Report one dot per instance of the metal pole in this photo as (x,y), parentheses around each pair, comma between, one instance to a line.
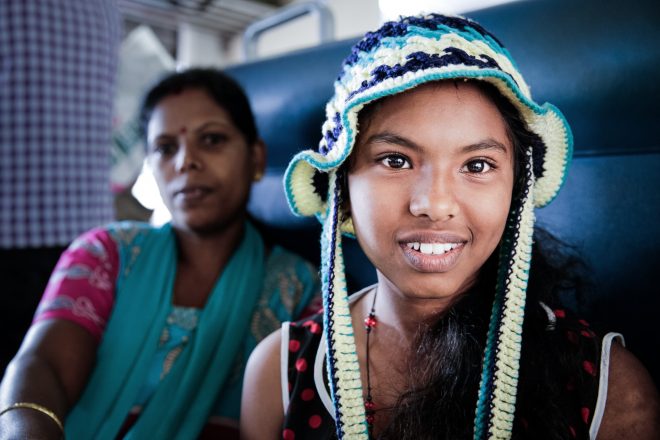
(284,15)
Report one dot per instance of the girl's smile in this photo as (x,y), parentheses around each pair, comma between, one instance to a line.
(428,251)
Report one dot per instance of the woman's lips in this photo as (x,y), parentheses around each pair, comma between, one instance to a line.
(432,257)
(192,194)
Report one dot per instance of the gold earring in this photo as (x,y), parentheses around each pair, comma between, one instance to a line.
(258,175)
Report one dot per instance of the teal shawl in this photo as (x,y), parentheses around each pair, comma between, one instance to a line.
(183,400)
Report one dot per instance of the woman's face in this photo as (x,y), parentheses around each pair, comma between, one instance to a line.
(430,187)
(201,161)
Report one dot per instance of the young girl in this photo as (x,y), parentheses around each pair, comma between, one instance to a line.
(463,336)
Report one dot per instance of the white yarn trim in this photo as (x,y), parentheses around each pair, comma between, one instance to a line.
(320,360)
(348,392)
(284,366)
(305,201)
(552,130)
(509,342)
(602,382)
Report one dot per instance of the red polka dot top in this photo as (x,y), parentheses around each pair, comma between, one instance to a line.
(309,409)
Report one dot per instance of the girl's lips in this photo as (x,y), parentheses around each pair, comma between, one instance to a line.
(431,263)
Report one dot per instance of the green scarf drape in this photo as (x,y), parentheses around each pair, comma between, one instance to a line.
(183,400)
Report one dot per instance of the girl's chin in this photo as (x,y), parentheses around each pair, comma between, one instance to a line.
(431,287)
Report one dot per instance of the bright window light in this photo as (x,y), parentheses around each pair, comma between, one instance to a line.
(392,9)
(146,192)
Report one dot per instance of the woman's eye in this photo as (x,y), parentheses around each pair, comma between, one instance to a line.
(213,138)
(479,166)
(395,161)
(165,148)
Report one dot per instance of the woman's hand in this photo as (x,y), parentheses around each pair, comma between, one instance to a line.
(50,370)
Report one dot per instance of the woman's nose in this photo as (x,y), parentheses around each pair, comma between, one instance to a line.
(434,196)
(186,158)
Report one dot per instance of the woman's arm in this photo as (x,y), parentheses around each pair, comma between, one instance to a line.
(262,413)
(51,370)
(57,356)
(632,409)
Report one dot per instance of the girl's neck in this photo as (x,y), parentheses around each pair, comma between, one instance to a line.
(404,314)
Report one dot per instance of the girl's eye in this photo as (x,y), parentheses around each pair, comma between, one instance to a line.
(478,166)
(395,161)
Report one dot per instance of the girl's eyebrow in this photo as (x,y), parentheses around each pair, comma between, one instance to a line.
(486,144)
(391,138)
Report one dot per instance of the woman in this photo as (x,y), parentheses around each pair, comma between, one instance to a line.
(158,322)
(435,157)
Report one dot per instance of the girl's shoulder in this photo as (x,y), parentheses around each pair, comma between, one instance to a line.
(618,395)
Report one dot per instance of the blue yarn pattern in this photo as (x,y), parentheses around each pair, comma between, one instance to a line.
(422,61)
(400,28)
(331,136)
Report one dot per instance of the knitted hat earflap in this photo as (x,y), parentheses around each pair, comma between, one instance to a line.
(496,403)
(342,361)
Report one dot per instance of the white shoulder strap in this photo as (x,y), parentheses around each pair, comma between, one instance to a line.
(602,383)
(284,366)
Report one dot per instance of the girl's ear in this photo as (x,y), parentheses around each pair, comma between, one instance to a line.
(346,209)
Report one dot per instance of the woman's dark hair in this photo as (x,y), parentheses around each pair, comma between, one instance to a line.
(445,368)
(224,90)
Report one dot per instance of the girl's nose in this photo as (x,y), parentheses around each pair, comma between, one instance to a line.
(434,197)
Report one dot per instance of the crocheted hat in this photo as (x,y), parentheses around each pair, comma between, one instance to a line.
(399,56)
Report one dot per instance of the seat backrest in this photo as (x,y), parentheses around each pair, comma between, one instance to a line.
(599,62)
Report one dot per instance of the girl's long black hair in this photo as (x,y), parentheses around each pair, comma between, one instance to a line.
(445,369)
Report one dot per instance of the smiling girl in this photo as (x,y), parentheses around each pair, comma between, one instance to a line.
(434,157)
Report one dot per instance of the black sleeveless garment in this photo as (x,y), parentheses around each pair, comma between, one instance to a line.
(307,416)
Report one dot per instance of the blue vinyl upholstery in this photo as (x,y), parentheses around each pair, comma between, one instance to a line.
(599,62)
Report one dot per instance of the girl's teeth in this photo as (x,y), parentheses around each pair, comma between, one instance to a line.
(432,248)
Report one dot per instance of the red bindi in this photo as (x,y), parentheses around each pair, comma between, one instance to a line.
(183,130)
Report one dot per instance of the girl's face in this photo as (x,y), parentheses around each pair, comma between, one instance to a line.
(201,161)
(430,186)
